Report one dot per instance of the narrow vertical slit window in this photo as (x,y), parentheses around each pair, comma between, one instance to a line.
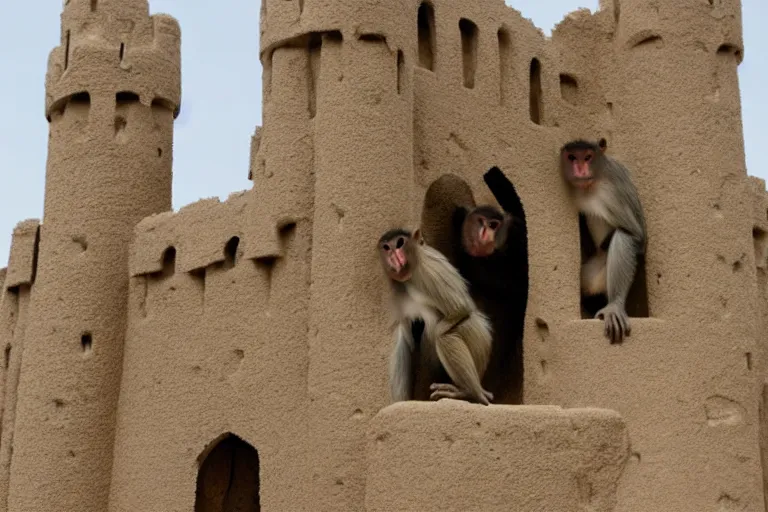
(468,51)
(535,91)
(426,25)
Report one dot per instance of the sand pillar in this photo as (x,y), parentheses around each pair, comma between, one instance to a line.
(363,172)
(112,91)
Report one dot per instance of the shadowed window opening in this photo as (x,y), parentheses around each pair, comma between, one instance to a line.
(729,49)
(426,25)
(760,240)
(373,38)
(122,51)
(86,343)
(569,89)
(169,262)
(94,4)
(228,479)
(535,91)
(468,51)
(505,64)
(66,50)
(230,252)
(637,298)
(7,358)
(125,97)
(81,98)
(498,283)
(400,71)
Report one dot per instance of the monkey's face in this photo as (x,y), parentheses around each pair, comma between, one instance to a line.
(396,257)
(480,235)
(578,166)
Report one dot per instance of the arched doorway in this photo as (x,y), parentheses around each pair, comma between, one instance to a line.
(228,479)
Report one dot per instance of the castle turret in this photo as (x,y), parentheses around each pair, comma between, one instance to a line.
(112,93)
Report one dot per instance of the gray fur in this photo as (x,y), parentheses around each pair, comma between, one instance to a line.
(613,204)
(455,332)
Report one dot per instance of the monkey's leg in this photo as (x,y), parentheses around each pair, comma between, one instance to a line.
(457,360)
(401,365)
(593,275)
(443,390)
(620,271)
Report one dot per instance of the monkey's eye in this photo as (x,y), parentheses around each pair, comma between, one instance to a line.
(588,158)
(386,247)
(400,242)
(494,224)
(571,158)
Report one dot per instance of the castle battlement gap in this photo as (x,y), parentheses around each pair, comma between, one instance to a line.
(236,351)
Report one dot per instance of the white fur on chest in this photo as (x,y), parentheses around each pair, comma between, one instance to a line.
(417,305)
(597,215)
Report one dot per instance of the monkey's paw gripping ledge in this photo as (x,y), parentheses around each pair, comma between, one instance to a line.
(455,456)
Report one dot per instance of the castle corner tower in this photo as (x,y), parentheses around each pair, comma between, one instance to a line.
(112,93)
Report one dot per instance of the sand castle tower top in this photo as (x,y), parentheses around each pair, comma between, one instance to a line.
(109,42)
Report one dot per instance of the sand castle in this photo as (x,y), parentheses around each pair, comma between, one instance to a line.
(233,354)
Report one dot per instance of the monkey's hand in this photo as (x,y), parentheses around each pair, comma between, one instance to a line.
(617,325)
(444,390)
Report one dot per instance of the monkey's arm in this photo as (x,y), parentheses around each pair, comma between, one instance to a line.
(401,364)
(626,210)
(504,192)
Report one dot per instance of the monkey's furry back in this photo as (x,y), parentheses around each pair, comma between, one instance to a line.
(439,279)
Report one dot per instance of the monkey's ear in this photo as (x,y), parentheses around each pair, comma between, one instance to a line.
(417,236)
(603,144)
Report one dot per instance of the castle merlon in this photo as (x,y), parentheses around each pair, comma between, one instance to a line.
(198,234)
(255,164)
(22,261)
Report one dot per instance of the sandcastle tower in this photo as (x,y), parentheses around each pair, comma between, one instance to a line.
(112,93)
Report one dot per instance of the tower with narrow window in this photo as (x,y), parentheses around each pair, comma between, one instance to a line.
(112,93)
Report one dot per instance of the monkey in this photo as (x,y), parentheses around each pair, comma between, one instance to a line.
(456,335)
(602,189)
(489,248)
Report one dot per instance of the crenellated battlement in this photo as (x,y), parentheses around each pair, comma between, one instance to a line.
(204,233)
(109,47)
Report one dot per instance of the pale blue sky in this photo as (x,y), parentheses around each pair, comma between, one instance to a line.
(221,81)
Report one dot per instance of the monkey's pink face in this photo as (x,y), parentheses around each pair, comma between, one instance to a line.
(395,258)
(482,242)
(578,164)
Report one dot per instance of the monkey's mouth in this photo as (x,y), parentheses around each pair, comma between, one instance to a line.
(482,250)
(401,274)
(583,182)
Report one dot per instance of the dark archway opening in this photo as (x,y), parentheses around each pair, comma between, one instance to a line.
(498,284)
(228,479)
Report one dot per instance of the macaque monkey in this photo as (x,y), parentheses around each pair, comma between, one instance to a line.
(602,189)
(456,335)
